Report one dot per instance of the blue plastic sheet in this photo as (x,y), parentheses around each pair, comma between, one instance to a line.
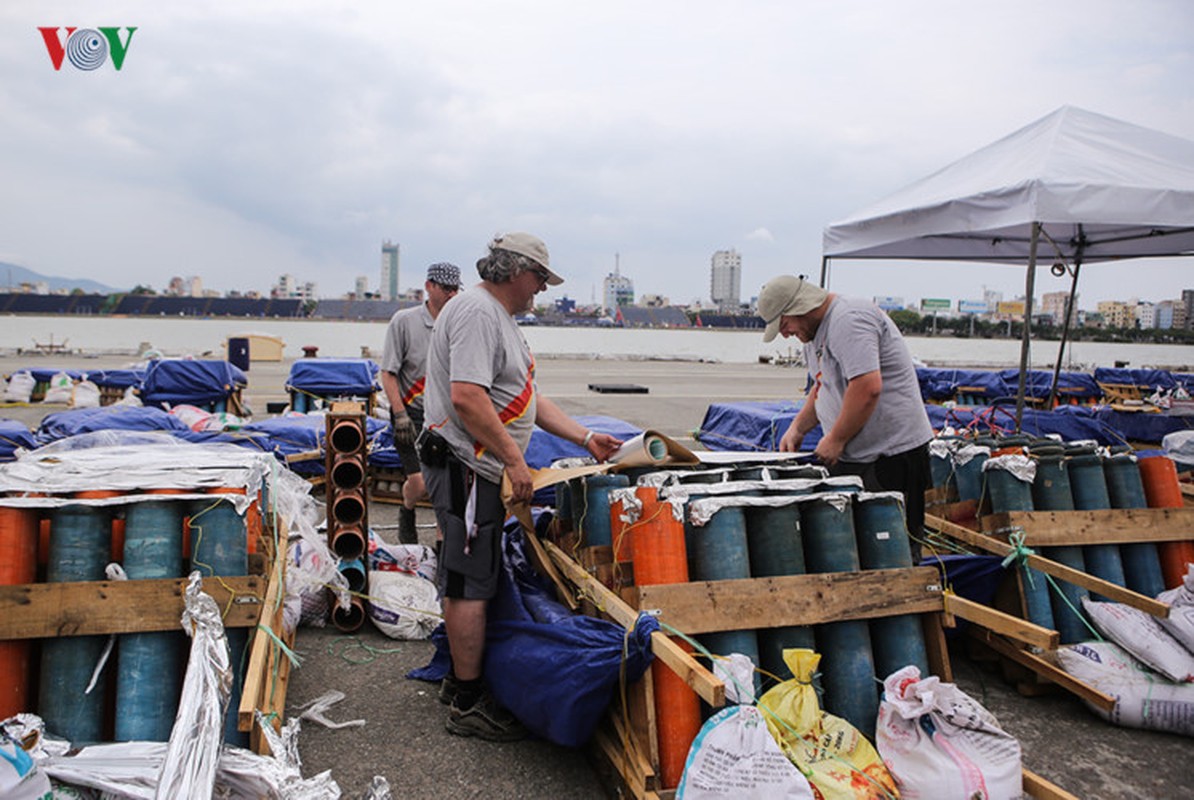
(330,377)
(117,378)
(44,374)
(14,434)
(1149,379)
(943,384)
(1039,382)
(555,670)
(751,426)
(178,382)
(301,433)
(62,424)
(1135,426)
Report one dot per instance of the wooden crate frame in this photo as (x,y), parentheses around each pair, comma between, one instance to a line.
(85,608)
(625,745)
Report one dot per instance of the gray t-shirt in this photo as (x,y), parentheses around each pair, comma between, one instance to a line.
(477,341)
(854,338)
(405,352)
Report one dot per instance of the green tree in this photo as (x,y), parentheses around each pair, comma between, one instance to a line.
(907,321)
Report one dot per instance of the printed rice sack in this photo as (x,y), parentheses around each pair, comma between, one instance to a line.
(735,757)
(1142,636)
(836,758)
(940,744)
(1143,699)
(60,389)
(403,605)
(413,558)
(1180,622)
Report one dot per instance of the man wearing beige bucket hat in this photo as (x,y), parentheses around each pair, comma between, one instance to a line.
(865,394)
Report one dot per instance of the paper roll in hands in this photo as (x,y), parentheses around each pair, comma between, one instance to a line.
(651,448)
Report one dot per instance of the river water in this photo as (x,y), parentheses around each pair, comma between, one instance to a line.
(207,337)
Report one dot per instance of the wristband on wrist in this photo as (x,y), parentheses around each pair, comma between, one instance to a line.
(588,438)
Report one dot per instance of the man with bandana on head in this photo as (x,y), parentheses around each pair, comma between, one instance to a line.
(403,374)
(481,406)
(865,394)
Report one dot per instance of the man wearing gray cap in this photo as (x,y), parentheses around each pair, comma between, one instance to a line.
(403,371)
(865,394)
(481,406)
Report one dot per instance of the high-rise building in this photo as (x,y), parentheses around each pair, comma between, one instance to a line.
(1146,316)
(1187,309)
(1054,304)
(388,288)
(725,281)
(618,290)
(362,286)
(1117,314)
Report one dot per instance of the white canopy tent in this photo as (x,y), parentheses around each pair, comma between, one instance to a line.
(1083,186)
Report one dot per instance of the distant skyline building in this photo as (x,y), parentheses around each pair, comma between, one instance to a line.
(362,286)
(617,289)
(1146,316)
(1054,304)
(388,287)
(725,280)
(1187,310)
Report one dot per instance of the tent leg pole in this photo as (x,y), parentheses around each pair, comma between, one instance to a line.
(1029,283)
(1065,333)
(824,272)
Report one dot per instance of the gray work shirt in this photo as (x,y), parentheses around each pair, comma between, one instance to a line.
(856,337)
(477,341)
(405,352)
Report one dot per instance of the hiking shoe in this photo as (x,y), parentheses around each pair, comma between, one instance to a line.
(449,687)
(485,720)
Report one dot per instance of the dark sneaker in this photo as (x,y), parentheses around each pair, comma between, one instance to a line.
(485,720)
(449,687)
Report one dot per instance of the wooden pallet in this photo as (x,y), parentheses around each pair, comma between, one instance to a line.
(51,610)
(625,745)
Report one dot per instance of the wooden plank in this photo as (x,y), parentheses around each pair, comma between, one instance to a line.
(1109,590)
(45,610)
(710,606)
(1098,526)
(1001,623)
(1045,669)
(936,647)
(260,652)
(619,761)
(1038,788)
(701,680)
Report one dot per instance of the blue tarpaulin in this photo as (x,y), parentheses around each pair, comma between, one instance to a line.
(943,384)
(1149,379)
(62,424)
(555,670)
(43,374)
(329,377)
(751,426)
(176,382)
(1039,382)
(117,378)
(14,434)
(301,433)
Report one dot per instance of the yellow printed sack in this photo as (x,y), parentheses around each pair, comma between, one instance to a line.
(836,758)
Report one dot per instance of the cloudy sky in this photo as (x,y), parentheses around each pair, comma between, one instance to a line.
(245,140)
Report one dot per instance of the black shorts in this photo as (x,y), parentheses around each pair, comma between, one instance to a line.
(468,568)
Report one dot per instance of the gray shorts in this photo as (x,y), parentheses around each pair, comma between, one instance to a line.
(468,569)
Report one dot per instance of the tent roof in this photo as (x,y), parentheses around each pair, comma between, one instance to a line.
(1128,190)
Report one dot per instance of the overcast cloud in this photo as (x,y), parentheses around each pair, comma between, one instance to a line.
(243,141)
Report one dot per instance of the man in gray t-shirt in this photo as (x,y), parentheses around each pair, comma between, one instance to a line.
(865,394)
(403,374)
(481,404)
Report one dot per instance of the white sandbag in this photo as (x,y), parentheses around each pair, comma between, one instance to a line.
(19,388)
(940,743)
(737,672)
(85,395)
(1180,622)
(310,569)
(735,756)
(131,398)
(1142,636)
(402,605)
(412,558)
(60,388)
(20,778)
(1143,699)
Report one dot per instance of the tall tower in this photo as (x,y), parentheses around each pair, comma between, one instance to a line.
(388,288)
(725,281)
(618,289)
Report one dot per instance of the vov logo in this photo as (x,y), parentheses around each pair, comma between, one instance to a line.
(86,48)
